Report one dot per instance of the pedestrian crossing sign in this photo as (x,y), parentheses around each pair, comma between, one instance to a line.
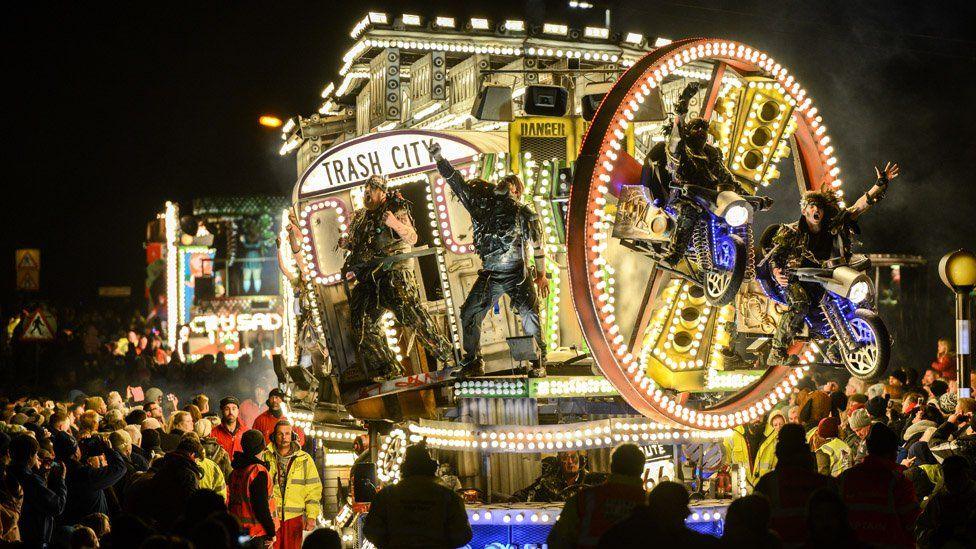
(39,327)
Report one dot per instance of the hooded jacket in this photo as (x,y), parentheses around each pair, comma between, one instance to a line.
(766,454)
(217,453)
(159,495)
(250,499)
(417,512)
(42,503)
(87,485)
(303,488)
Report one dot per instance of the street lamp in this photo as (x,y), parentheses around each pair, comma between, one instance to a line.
(269,121)
(958,272)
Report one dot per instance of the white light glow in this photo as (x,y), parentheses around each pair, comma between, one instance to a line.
(554,28)
(859,291)
(737,215)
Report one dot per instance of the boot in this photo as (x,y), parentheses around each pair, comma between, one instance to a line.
(778,356)
(473,367)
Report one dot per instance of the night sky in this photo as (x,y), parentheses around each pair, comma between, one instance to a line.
(111,109)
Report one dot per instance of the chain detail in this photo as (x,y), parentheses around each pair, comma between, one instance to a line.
(703,248)
(747,236)
(837,325)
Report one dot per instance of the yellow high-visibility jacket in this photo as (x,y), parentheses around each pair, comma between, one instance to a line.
(213,478)
(303,488)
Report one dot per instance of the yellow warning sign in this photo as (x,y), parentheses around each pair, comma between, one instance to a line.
(28,264)
(29,258)
(27,280)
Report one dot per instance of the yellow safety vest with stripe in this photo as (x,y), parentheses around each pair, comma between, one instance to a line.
(934,472)
(303,488)
(737,452)
(213,478)
(765,456)
(839,453)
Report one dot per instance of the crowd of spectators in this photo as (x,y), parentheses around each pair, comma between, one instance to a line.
(136,448)
(99,350)
(110,472)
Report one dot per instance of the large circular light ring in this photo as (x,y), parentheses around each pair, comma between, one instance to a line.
(586,246)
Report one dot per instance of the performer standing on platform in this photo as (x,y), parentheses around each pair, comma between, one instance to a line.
(377,232)
(505,231)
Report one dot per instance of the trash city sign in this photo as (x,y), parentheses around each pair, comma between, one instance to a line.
(391,154)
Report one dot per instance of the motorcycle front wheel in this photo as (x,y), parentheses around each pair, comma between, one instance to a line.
(723,280)
(869,360)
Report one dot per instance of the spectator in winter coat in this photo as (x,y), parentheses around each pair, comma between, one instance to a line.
(790,485)
(880,498)
(266,421)
(87,478)
(203,428)
(660,523)
(158,496)
(949,519)
(231,429)
(417,511)
(43,500)
(249,490)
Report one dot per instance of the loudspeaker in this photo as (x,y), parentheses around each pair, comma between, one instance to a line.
(493,103)
(593,94)
(546,100)
(301,377)
(278,364)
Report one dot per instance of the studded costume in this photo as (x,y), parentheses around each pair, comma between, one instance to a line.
(691,161)
(383,285)
(795,246)
(505,233)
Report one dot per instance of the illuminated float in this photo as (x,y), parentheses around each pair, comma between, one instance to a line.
(636,353)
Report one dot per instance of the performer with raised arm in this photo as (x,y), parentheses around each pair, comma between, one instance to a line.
(378,232)
(691,161)
(506,234)
(823,232)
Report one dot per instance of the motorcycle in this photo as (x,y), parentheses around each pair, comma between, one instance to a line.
(719,256)
(843,321)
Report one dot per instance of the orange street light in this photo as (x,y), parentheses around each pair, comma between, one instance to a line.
(269,121)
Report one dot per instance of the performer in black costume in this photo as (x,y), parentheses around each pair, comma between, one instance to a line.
(380,230)
(823,232)
(691,161)
(505,233)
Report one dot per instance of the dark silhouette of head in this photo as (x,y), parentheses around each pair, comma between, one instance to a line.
(668,502)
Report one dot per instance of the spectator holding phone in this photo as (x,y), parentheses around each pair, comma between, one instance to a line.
(92,468)
(959,427)
(44,499)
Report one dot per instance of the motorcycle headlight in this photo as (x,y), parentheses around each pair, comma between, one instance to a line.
(859,292)
(737,215)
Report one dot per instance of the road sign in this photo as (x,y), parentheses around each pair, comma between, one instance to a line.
(28,264)
(39,327)
(27,280)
